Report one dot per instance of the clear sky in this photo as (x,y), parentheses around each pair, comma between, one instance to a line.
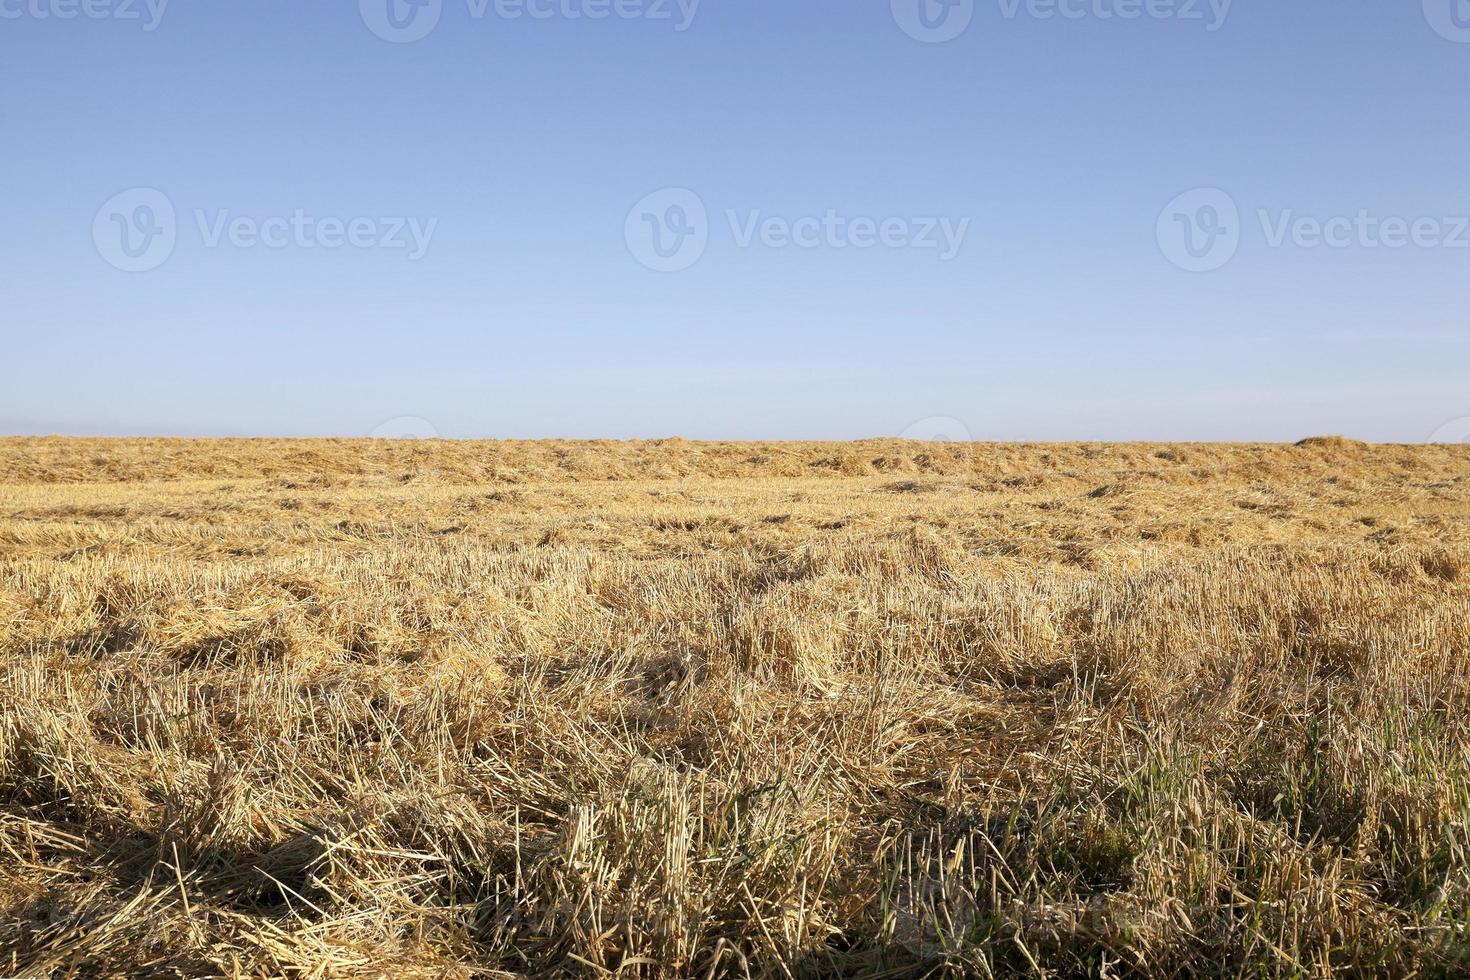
(1044,219)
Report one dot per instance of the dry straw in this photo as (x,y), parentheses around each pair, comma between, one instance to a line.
(673,709)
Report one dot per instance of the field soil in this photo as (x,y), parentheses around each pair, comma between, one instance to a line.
(679,709)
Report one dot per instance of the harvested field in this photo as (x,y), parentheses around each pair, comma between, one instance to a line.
(678,709)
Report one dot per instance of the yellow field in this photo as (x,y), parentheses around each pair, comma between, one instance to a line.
(678,709)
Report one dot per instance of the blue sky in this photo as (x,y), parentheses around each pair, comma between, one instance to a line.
(458,228)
